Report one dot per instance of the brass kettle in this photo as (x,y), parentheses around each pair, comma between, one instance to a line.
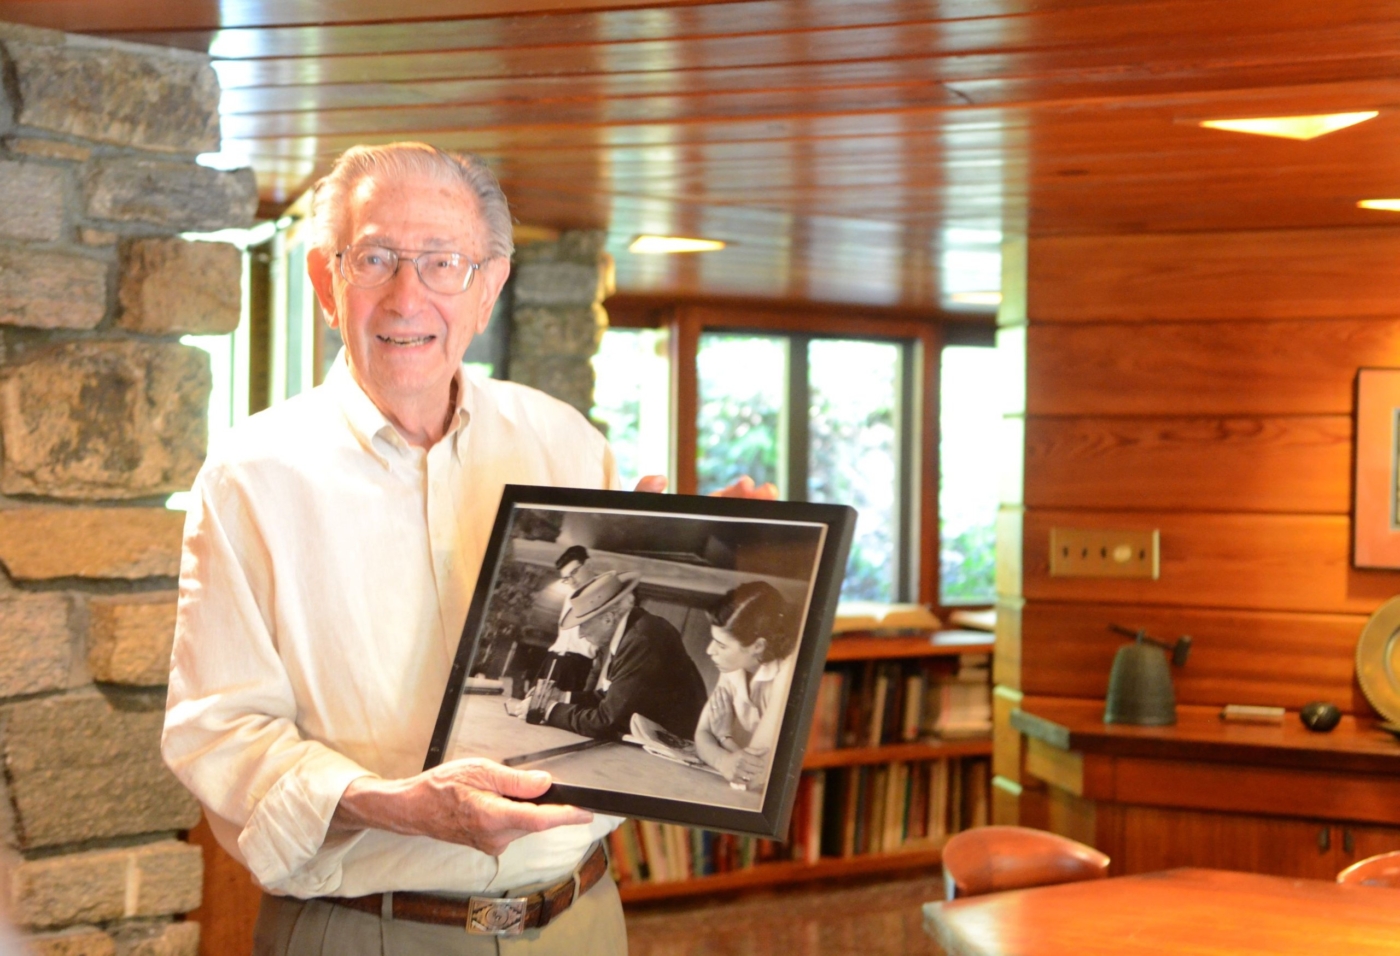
(1140,683)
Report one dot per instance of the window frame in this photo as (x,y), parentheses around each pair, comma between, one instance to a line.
(924,338)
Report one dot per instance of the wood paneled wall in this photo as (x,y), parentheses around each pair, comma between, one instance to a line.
(1200,384)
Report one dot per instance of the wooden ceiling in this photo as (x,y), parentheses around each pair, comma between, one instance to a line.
(865,152)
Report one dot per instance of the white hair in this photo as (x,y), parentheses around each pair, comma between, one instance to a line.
(330,196)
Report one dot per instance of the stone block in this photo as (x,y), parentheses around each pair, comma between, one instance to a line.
(557,331)
(83,941)
(50,149)
(104,419)
(582,245)
(81,768)
(168,939)
(51,290)
(97,237)
(129,637)
(165,877)
(170,286)
(567,379)
(38,544)
(557,283)
(68,889)
(32,199)
(177,196)
(150,98)
(36,647)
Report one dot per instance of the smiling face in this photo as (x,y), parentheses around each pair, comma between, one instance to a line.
(404,343)
(729,655)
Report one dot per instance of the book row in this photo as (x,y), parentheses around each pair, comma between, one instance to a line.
(870,703)
(839,813)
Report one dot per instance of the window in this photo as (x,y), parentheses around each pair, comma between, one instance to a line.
(822,418)
(632,398)
(970,423)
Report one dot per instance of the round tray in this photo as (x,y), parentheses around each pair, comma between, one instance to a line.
(1378,660)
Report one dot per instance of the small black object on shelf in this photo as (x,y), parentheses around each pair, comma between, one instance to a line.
(1320,716)
(1140,684)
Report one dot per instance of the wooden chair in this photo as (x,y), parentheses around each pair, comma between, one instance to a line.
(1380,870)
(992,859)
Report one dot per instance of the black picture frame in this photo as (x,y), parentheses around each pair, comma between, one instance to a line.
(688,551)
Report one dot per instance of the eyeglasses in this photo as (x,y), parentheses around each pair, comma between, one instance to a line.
(446,273)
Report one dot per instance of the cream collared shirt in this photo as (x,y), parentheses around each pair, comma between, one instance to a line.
(328,566)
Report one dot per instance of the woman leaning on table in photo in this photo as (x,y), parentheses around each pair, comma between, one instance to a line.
(752,639)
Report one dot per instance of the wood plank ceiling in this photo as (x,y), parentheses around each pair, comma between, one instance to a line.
(864,152)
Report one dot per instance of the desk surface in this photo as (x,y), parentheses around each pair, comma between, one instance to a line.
(1200,912)
(484,729)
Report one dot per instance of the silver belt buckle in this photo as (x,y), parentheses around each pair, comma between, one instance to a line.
(496,917)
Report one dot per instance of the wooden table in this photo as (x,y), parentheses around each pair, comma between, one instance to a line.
(1195,912)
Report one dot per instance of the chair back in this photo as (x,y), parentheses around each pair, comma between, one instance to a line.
(1380,870)
(992,859)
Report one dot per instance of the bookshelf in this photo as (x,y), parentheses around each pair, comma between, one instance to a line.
(851,652)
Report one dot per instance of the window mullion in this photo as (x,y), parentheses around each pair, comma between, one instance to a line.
(798,419)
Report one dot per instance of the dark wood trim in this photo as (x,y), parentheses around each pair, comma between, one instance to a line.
(930,348)
(685,399)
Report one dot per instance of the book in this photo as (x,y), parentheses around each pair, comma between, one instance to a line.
(826,716)
(974,620)
(877,618)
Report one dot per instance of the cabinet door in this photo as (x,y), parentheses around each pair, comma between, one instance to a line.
(1149,838)
(1358,842)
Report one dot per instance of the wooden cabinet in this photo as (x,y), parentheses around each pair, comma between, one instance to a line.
(1264,799)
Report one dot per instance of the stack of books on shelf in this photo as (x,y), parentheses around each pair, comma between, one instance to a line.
(839,814)
(872,703)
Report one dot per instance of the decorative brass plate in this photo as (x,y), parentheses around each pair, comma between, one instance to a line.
(1378,660)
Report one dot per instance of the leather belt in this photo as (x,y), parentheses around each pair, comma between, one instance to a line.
(494,916)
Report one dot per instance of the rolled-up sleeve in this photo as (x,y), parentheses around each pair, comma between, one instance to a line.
(230,728)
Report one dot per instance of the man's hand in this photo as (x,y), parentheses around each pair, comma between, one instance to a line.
(465,801)
(742,487)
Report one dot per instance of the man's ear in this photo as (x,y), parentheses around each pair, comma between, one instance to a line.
(492,274)
(318,270)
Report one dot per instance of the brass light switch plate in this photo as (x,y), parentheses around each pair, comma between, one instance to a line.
(1093,553)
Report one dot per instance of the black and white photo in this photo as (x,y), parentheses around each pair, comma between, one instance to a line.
(654,653)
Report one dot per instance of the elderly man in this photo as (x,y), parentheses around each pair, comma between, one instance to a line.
(330,555)
(641,668)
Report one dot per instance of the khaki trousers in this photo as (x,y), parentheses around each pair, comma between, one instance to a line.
(290,927)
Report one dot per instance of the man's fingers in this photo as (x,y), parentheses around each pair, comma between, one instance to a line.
(481,774)
(500,814)
(656,484)
(744,487)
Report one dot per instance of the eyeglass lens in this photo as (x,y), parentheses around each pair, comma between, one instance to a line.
(370,266)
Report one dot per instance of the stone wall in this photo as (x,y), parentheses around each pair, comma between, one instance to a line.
(102,414)
(557,318)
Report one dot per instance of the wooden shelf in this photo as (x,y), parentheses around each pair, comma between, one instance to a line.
(897,753)
(786,872)
(863,647)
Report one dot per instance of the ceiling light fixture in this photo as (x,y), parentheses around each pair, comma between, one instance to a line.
(1389,205)
(1292,127)
(650,245)
(976,298)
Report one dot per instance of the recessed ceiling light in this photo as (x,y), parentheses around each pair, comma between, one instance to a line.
(976,298)
(1389,205)
(1292,127)
(658,244)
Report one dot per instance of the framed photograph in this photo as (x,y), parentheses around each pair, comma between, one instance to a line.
(1376,514)
(658,654)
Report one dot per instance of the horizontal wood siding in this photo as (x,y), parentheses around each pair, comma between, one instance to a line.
(1202,385)
(1336,273)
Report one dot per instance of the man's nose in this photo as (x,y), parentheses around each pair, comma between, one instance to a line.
(406,290)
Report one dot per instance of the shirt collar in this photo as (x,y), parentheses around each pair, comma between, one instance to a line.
(371,427)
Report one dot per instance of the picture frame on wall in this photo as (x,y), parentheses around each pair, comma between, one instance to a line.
(1376,508)
(658,655)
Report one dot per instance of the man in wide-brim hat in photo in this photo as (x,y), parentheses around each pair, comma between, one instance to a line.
(641,668)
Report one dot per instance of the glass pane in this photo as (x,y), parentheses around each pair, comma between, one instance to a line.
(632,397)
(970,422)
(853,455)
(741,424)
